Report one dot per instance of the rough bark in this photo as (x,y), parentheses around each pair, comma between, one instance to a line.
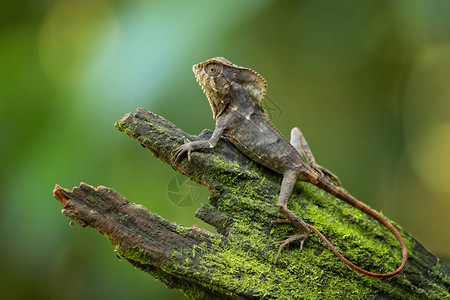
(237,262)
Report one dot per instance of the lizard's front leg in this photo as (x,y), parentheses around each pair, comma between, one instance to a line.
(221,124)
(191,146)
(289,179)
(299,142)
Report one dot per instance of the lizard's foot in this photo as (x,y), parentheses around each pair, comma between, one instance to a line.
(326,173)
(181,150)
(296,237)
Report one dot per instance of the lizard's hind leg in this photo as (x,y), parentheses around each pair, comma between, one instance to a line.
(299,142)
(289,179)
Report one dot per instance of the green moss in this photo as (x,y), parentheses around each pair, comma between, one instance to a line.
(123,217)
(181,230)
(438,273)
(139,258)
(123,126)
(136,254)
(266,280)
(439,276)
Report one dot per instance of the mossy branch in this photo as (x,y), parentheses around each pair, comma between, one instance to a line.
(238,262)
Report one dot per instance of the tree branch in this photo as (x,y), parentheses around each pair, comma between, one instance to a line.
(238,262)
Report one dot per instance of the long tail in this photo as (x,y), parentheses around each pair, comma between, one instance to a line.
(330,188)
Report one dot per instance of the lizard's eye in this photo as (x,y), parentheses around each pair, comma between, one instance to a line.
(213,69)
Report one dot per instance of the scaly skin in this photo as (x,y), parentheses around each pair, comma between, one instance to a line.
(235,95)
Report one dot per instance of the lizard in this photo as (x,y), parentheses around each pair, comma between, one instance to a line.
(235,95)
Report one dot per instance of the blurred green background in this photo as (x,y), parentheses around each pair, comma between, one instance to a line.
(367,82)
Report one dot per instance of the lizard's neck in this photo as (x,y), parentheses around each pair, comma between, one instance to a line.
(217,108)
(243,101)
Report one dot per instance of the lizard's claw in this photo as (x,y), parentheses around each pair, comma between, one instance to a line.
(296,237)
(181,150)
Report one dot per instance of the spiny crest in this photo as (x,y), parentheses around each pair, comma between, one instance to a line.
(255,85)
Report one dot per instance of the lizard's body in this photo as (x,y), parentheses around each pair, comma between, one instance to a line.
(235,94)
(257,138)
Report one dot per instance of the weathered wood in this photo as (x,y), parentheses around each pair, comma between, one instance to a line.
(238,262)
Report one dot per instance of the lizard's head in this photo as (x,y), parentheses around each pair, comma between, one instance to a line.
(221,80)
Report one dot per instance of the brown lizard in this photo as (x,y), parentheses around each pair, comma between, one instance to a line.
(235,94)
